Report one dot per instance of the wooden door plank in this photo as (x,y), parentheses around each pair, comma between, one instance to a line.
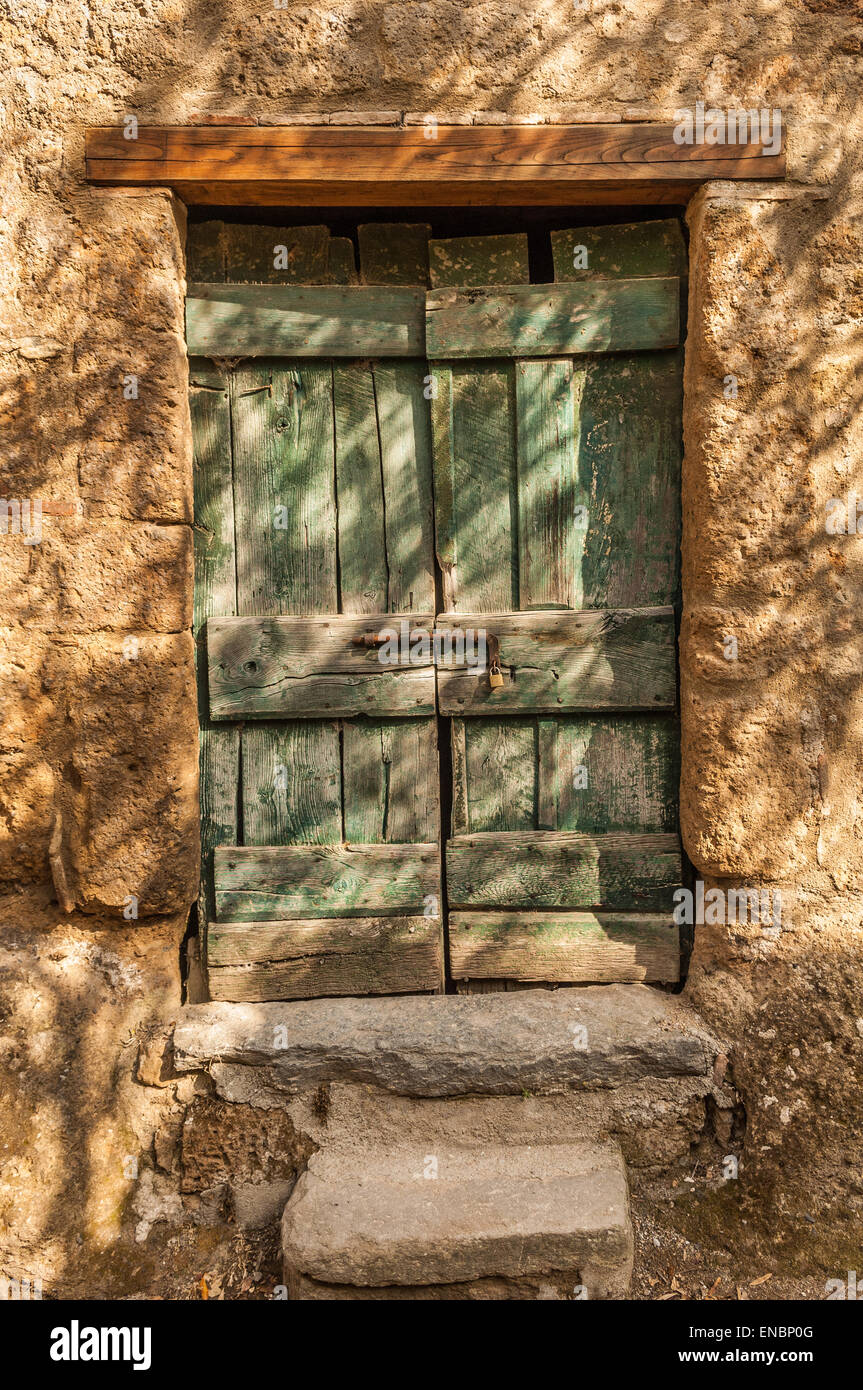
(538,869)
(329,956)
(608,774)
(495,782)
(394,253)
(286,513)
(564,948)
(291,781)
(630,456)
(473,433)
(460,818)
(215,592)
(276,255)
(206,251)
(312,668)
(620,251)
(299,881)
(405,443)
(391,781)
(236,320)
(474,260)
(286,547)
(553,320)
(552,500)
(341,262)
(363,576)
(554,661)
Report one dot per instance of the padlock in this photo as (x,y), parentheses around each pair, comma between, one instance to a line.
(495,676)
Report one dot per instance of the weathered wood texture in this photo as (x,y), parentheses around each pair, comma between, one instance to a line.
(558,661)
(552,320)
(616,251)
(311,668)
(285,881)
(556,490)
(472,260)
(592,775)
(394,253)
(239,320)
(578,500)
(331,484)
(572,948)
(215,592)
(330,956)
(540,869)
(329,166)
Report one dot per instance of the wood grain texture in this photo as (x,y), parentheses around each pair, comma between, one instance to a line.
(215,592)
(620,250)
(206,251)
(607,774)
(291,784)
(394,253)
(564,948)
(406,469)
(550,490)
(362,166)
(391,780)
(556,660)
(276,255)
(311,668)
(298,881)
(283,438)
(331,956)
(476,507)
(474,260)
(630,451)
(499,774)
(363,574)
(553,320)
(238,320)
(592,775)
(422,195)
(538,869)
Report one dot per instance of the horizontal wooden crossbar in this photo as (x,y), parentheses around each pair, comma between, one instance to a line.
(314,668)
(556,662)
(565,947)
(622,315)
(552,320)
(325,956)
(544,869)
(293,320)
(366,167)
(306,881)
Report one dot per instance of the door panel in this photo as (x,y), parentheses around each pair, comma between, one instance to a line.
(590,775)
(528,471)
(567,800)
(330,880)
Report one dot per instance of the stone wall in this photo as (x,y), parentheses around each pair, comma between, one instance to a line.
(98,760)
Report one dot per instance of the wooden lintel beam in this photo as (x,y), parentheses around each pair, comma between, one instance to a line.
(358,166)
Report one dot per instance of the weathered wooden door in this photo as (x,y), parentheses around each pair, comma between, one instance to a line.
(486,454)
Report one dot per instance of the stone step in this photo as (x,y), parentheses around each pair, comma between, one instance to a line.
(453,1045)
(507,1221)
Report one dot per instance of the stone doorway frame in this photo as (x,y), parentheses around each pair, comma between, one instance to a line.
(404,176)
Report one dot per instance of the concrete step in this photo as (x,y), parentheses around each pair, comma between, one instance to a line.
(498,1222)
(535,1041)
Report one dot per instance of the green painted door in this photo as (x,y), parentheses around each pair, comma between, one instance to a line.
(438,439)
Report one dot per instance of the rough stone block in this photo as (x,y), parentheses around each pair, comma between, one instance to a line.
(491,1044)
(374,1219)
(84,576)
(129,787)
